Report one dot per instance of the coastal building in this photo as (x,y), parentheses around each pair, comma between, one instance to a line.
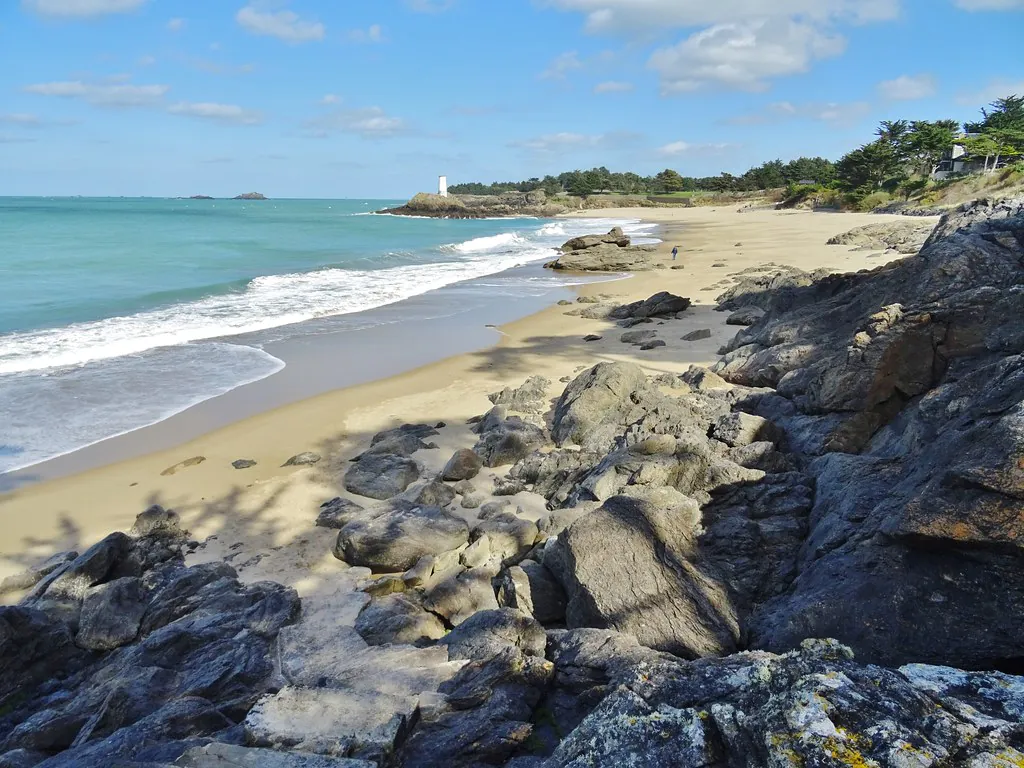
(959,162)
(442,186)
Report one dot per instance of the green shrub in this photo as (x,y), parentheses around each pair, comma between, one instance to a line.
(872,201)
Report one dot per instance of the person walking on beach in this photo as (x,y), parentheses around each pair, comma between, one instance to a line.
(675,252)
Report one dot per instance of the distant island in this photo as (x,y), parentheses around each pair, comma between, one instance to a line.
(200,197)
(250,196)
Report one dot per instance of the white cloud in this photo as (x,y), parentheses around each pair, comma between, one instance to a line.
(102,95)
(369,122)
(825,111)
(996,89)
(176,25)
(80,8)
(907,87)
(561,66)
(742,56)
(613,86)
(429,6)
(372,34)
(146,61)
(20,118)
(330,98)
(284,25)
(677,148)
(627,16)
(559,142)
(989,5)
(224,113)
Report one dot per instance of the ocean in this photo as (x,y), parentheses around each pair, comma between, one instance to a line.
(117,313)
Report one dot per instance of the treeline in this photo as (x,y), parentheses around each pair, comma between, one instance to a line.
(774,173)
(902,158)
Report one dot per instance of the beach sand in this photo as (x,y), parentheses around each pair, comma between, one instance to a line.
(262,519)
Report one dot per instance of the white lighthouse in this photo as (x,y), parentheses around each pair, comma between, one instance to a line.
(442,186)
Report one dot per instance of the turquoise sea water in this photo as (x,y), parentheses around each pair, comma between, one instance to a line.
(115,313)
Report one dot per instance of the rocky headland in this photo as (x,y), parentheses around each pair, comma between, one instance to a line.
(479,206)
(807,554)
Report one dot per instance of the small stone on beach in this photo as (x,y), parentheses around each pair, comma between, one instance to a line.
(183,464)
(703,333)
(243,463)
(592,337)
(652,344)
(302,459)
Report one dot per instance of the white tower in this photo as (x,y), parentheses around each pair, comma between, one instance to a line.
(442,186)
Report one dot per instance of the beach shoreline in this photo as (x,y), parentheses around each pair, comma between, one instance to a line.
(260,510)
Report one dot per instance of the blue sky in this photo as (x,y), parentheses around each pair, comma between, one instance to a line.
(375,98)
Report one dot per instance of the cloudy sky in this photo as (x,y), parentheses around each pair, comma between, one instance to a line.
(374,98)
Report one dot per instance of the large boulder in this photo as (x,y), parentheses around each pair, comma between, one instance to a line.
(901,236)
(463,465)
(531,588)
(598,396)
(381,475)
(662,304)
(633,565)
(394,540)
(506,440)
(111,614)
(814,706)
(606,258)
(615,237)
(528,398)
(397,619)
(487,633)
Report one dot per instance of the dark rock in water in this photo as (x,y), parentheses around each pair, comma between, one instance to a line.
(814,706)
(652,344)
(398,619)
(661,304)
(745,316)
(302,460)
(592,337)
(615,237)
(194,461)
(381,475)
(487,633)
(394,540)
(243,463)
(703,333)
(111,614)
(529,398)
(479,206)
(463,465)
(633,565)
(339,512)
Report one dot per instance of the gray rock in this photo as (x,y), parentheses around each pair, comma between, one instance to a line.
(814,706)
(32,576)
(738,429)
(381,475)
(510,538)
(531,588)
(592,337)
(633,566)
(745,316)
(652,344)
(435,494)
(637,337)
(596,397)
(230,756)
(528,398)
(305,459)
(614,237)
(472,500)
(605,258)
(463,465)
(507,441)
(663,304)
(111,614)
(157,522)
(904,237)
(243,463)
(458,597)
(397,619)
(487,633)
(339,512)
(90,568)
(395,539)
(703,333)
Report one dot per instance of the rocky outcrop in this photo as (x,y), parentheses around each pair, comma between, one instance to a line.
(250,196)
(125,655)
(903,237)
(479,206)
(603,253)
(814,706)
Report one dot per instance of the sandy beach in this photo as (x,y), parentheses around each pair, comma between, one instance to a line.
(261,519)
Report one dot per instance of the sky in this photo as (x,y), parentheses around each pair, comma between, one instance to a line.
(376,98)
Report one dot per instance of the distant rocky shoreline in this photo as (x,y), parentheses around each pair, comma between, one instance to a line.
(808,554)
(478,206)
